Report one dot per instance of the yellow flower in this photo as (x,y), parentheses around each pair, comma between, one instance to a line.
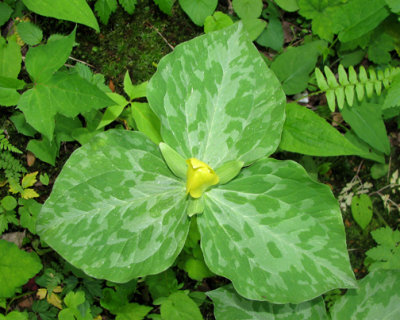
(199,177)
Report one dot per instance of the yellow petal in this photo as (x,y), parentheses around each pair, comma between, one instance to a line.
(199,177)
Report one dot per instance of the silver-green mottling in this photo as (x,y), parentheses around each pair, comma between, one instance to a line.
(277,234)
(217,100)
(116,211)
(229,305)
(378,297)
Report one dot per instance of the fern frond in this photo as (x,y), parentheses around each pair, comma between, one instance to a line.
(350,84)
(7,146)
(13,169)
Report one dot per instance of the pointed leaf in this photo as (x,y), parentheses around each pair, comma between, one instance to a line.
(116,211)
(226,105)
(71,10)
(229,305)
(280,229)
(146,121)
(198,10)
(10,58)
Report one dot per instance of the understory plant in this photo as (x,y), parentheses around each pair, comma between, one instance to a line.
(121,207)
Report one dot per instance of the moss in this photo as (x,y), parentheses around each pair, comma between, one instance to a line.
(131,42)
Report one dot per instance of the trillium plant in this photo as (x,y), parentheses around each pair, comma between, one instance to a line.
(122,205)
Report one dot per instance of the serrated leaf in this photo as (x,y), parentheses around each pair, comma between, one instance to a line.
(16,268)
(366,120)
(376,298)
(198,10)
(104,8)
(29,194)
(306,133)
(29,179)
(136,227)
(274,224)
(293,67)
(6,218)
(229,305)
(128,5)
(29,33)
(165,5)
(43,61)
(71,10)
(361,209)
(247,9)
(199,99)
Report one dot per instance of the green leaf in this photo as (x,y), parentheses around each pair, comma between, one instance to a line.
(377,297)
(217,21)
(128,5)
(366,120)
(28,212)
(132,311)
(278,227)
(104,8)
(15,315)
(247,9)
(74,310)
(179,306)
(288,5)
(9,203)
(110,115)
(394,5)
(176,163)
(393,94)
(361,209)
(11,83)
(43,61)
(9,97)
(134,92)
(165,5)
(366,150)
(5,13)
(307,133)
(44,149)
(199,99)
(162,284)
(229,305)
(65,93)
(7,217)
(197,269)
(380,47)
(29,33)
(272,37)
(10,58)
(123,222)
(294,66)
(378,170)
(16,268)
(71,10)
(254,27)
(386,255)
(146,121)
(198,10)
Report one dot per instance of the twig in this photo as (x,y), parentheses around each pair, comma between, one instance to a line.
(77,60)
(159,33)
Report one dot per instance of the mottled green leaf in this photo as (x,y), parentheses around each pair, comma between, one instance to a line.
(116,211)
(307,133)
(229,305)
(16,268)
(377,297)
(280,229)
(226,105)
(64,93)
(43,61)
(198,10)
(366,120)
(293,67)
(71,10)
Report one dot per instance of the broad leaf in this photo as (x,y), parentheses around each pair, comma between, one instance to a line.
(146,121)
(179,306)
(229,305)
(64,93)
(16,268)
(293,67)
(71,10)
(10,58)
(307,133)
(247,9)
(165,5)
(198,10)
(377,297)
(116,211)
(366,121)
(43,61)
(225,105)
(29,33)
(5,13)
(276,234)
